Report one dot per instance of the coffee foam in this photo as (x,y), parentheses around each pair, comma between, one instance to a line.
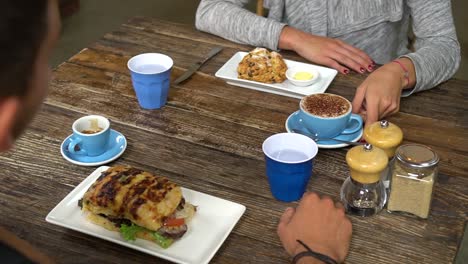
(325,105)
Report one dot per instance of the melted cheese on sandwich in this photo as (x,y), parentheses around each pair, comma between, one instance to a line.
(125,192)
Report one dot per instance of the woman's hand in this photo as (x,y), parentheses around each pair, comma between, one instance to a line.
(379,95)
(330,52)
(320,224)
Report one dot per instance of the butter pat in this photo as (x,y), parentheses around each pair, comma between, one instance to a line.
(303,76)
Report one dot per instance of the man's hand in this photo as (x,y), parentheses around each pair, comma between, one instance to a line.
(330,52)
(319,223)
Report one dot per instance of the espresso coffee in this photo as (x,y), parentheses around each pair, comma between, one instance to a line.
(92,131)
(325,105)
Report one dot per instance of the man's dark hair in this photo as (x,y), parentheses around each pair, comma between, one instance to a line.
(23,27)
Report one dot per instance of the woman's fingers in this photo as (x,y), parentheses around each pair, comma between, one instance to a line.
(360,56)
(330,52)
(373,108)
(346,56)
(350,56)
(391,109)
(333,64)
(381,109)
(347,60)
(358,101)
(372,111)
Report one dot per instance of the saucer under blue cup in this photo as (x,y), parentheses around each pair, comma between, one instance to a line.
(293,122)
(116,147)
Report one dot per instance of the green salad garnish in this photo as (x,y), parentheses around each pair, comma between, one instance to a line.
(129,232)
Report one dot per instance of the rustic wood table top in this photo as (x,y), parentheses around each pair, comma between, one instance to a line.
(208,138)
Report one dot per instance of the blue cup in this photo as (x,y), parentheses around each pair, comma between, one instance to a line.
(151,74)
(90,136)
(329,127)
(289,162)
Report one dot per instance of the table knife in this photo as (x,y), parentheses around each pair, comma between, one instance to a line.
(193,68)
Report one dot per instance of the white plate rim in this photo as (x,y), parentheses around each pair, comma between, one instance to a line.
(275,88)
(86,183)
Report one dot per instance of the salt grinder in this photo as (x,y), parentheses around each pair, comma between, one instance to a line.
(363,193)
(386,136)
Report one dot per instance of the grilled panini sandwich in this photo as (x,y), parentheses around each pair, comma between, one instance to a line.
(138,204)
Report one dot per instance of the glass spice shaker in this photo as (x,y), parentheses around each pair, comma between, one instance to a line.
(386,136)
(363,193)
(412,181)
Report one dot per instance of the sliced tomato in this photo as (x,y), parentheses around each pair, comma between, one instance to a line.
(174,222)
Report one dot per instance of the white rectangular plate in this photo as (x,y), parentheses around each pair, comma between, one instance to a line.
(228,72)
(214,220)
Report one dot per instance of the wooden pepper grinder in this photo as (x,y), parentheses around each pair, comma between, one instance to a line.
(363,193)
(386,136)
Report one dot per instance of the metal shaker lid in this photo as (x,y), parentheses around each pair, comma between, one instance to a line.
(417,156)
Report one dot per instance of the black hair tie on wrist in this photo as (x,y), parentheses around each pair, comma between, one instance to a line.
(314,254)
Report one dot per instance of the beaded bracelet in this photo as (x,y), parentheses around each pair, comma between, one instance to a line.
(406,73)
(326,259)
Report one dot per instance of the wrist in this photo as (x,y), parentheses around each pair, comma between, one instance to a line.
(311,259)
(288,38)
(317,249)
(405,72)
(397,71)
(307,259)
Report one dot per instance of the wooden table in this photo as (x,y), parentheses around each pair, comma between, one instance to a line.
(208,138)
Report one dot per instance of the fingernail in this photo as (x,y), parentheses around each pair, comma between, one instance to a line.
(346,71)
(362,70)
(370,67)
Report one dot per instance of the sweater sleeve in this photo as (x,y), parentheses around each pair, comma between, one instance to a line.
(229,19)
(437,54)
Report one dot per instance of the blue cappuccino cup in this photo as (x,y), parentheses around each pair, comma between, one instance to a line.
(90,136)
(151,74)
(328,115)
(289,162)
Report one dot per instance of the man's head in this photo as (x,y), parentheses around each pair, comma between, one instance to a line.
(28,32)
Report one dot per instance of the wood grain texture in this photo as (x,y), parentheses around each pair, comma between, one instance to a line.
(208,138)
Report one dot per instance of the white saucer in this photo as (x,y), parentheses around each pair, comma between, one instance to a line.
(116,147)
(292,122)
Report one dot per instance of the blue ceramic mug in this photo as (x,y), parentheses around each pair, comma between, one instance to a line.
(90,136)
(151,74)
(289,162)
(324,123)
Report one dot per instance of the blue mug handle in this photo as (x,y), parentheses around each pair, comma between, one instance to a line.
(354,124)
(72,145)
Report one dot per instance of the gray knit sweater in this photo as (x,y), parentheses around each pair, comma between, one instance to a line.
(379,27)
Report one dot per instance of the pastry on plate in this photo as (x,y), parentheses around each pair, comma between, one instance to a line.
(261,65)
(138,204)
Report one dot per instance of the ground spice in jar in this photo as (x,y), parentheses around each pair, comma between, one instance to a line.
(412,180)
(410,194)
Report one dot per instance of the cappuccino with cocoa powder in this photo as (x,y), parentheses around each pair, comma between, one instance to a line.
(325,105)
